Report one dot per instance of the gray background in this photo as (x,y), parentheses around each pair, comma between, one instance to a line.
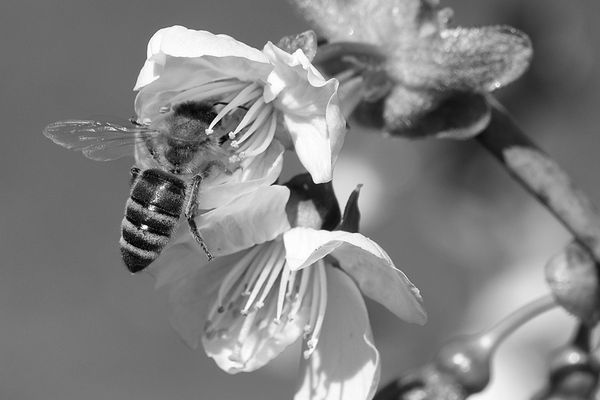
(75,325)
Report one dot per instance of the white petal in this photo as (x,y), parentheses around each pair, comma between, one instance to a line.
(265,340)
(365,261)
(310,107)
(180,59)
(258,171)
(178,41)
(179,259)
(191,294)
(345,364)
(250,219)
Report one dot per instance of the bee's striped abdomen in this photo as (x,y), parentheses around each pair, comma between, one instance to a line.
(151,214)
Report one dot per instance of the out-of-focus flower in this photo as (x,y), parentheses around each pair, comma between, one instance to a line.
(410,72)
(573,278)
(287,282)
(574,371)
(260,96)
(427,383)
(463,366)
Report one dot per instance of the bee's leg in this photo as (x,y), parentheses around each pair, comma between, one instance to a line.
(135,171)
(190,212)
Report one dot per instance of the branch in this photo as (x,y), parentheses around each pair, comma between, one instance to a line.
(543,178)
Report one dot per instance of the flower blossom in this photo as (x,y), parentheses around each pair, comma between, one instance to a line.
(275,284)
(263,99)
(407,71)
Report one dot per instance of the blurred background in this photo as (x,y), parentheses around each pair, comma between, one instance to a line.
(75,325)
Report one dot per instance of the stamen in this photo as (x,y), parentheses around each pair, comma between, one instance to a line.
(256,268)
(254,109)
(266,270)
(299,297)
(283,283)
(272,278)
(257,123)
(243,97)
(316,330)
(314,301)
(267,316)
(245,330)
(262,140)
(235,274)
(291,282)
(234,159)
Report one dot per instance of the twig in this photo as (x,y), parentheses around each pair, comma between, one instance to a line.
(543,178)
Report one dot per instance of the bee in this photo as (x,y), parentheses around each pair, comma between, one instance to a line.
(178,152)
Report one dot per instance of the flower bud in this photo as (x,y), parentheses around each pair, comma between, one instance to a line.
(305,41)
(467,361)
(312,205)
(425,384)
(573,376)
(573,278)
(351,218)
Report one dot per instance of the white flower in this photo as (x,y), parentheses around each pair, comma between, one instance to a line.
(411,72)
(275,88)
(247,306)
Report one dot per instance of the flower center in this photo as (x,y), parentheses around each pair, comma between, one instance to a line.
(250,131)
(261,291)
(252,134)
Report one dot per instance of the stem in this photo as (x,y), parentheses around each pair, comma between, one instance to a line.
(495,335)
(534,169)
(466,361)
(582,337)
(543,178)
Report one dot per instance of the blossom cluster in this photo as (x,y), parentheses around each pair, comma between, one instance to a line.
(288,265)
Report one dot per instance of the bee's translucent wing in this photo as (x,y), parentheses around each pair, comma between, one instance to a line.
(97,140)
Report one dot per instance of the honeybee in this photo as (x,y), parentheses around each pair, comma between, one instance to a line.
(179,151)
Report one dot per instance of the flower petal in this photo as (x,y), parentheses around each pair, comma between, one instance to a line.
(252,218)
(177,260)
(180,59)
(255,172)
(485,58)
(372,21)
(463,59)
(263,343)
(305,41)
(192,292)
(365,261)
(178,41)
(345,364)
(244,343)
(310,107)
(419,114)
